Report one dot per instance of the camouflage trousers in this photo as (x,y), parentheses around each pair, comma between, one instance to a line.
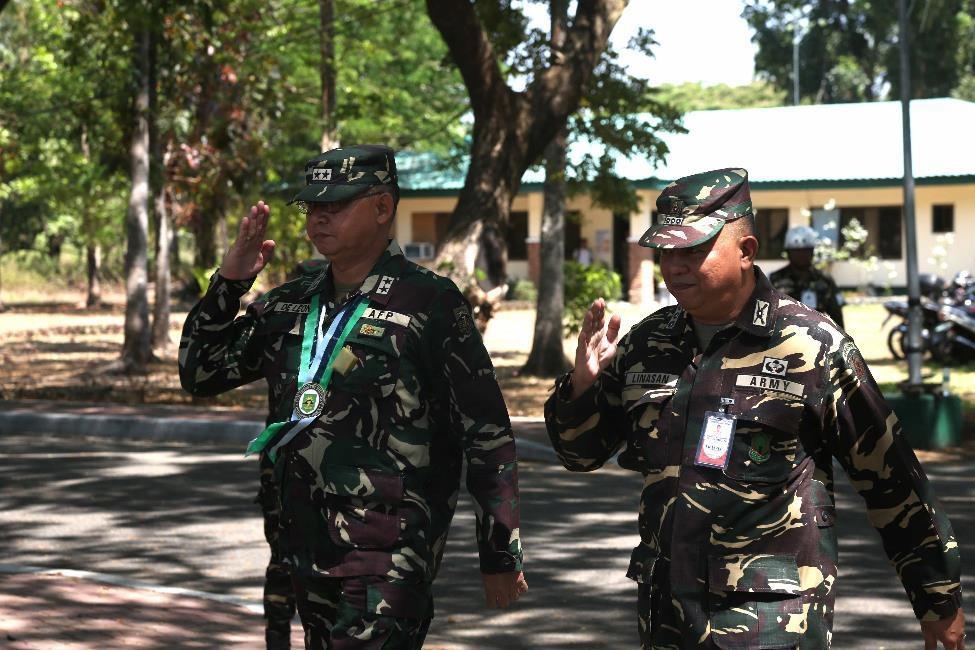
(335,616)
(279,597)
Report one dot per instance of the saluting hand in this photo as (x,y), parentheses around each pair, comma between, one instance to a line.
(596,347)
(250,252)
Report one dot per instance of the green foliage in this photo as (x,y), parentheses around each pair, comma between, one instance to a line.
(522,289)
(583,284)
(691,96)
(849,51)
(237,108)
(623,113)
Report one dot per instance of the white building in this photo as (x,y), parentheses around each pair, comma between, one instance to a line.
(817,165)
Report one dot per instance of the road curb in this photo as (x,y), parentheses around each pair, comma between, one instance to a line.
(39,417)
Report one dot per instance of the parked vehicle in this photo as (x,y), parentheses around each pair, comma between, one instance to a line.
(947,319)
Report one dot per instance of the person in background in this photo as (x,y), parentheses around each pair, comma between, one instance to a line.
(803,281)
(733,405)
(583,255)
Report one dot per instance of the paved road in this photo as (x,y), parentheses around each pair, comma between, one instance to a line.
(180,515)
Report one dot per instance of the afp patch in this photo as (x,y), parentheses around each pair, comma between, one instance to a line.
(371,330)
(463,319)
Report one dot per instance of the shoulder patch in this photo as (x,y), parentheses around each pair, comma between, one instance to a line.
(463,318)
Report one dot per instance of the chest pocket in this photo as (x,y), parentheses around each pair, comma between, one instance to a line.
(767,445)
(646,448)
(370,363)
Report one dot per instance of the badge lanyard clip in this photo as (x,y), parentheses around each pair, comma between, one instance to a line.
(717,436)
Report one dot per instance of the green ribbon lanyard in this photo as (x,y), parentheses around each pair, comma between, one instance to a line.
(308,370)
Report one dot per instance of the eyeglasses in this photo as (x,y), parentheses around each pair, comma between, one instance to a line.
(333,208)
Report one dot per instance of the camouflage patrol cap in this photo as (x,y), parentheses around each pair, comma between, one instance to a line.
(693,209)
(344,173)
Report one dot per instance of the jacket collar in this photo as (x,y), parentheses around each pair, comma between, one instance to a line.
(756,317)
(378,282)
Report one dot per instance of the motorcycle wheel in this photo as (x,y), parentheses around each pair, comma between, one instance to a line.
(895,343)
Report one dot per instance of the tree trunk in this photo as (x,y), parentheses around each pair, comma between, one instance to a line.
(94,271)
(326,43)
(161,307)
(136,347)
(3,307)
(511,130)
(547,357)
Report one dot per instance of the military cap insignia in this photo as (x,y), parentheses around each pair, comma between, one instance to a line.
(464,322)
(321,175)
(761,447)
(676,206)
(673,215)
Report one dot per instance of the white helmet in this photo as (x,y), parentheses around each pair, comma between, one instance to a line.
(800,237)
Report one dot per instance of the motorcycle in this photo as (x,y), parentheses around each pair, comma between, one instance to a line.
(947,319)
(931,335)
(958,340)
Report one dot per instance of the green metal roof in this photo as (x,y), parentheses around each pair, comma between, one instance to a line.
(793,147)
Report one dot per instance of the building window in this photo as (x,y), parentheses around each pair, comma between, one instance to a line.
(884,230)
(517,233)
(430,227)
(943,218)
(770,227)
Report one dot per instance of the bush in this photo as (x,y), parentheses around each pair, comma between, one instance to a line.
(583,284)
(522,289)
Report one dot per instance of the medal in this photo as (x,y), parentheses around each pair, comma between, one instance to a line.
(310,400)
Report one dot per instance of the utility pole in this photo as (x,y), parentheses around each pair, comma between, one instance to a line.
(914,351)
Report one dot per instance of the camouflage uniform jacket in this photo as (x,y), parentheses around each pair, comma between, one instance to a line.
(370,487)
(745,557)
(794,283)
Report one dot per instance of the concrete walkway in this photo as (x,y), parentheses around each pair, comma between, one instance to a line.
(133,527)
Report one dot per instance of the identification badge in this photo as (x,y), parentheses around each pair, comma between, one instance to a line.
(310,400)
(808,298)
(714,447)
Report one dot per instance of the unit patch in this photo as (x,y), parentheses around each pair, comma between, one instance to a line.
(761,449)
(771,384)
(371,330)
(464,322)
(853,359)
(773,366)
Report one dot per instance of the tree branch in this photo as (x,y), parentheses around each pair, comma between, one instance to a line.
(556,91)
(470,49)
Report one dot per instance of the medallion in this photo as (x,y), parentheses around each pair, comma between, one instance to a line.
(310,400)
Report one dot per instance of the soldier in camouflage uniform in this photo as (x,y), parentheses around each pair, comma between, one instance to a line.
(800,280)
(379,387)
(733,404)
